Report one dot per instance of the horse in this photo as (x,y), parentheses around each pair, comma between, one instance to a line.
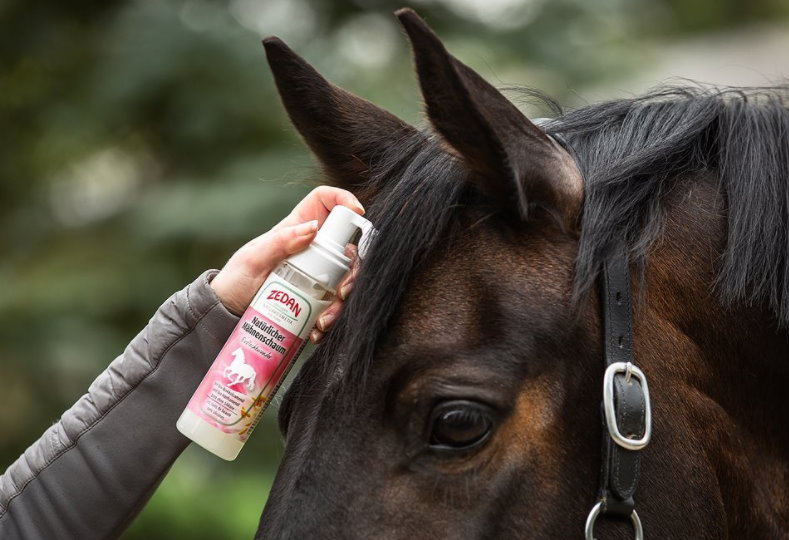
(238,371)
(459,393)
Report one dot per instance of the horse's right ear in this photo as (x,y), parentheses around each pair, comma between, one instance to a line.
(344,131)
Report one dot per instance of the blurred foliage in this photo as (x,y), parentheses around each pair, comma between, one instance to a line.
(143,141)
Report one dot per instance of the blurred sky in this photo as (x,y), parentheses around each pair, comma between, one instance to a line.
(143,141)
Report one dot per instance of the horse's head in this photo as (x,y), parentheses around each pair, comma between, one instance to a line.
(458,395)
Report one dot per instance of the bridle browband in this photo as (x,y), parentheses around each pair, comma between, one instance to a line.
(626,409)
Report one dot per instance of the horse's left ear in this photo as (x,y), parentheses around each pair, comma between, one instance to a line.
(508,153)
(345,132)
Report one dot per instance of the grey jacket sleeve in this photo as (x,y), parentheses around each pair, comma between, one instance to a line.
(91,473)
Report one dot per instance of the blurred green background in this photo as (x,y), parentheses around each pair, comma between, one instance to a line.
(143,141)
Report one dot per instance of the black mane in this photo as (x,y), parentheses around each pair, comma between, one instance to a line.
(630,151)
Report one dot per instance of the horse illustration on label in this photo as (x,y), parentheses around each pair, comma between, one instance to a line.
(239,371)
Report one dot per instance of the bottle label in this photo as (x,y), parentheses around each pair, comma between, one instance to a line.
(256,357)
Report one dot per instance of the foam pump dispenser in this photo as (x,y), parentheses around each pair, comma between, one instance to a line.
(268,339)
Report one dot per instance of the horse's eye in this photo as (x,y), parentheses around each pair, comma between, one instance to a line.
(459,425)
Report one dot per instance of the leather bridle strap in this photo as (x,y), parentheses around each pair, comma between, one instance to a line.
(626,409)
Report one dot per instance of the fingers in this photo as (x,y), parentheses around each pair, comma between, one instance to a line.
(298,237)
(242,275)
(347,285)
(268,250)
(325,321)
(318,203)
(238,281)
(328,317)
(330,197)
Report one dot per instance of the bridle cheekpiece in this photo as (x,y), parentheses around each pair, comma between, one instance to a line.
(626,409)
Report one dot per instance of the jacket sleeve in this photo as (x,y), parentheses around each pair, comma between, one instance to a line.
(91,473)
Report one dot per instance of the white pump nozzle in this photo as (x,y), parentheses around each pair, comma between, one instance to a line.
(324,259)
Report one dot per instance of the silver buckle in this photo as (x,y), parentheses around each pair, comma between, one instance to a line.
(608,405)
(590,519)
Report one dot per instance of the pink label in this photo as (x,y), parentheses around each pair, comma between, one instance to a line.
(254,360)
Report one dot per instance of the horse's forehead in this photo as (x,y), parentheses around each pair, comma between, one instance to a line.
(453,293)
(440,303)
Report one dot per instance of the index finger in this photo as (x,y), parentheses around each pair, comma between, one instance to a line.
(318,203)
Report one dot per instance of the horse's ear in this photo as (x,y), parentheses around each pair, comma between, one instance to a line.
(344,131)
(508,153)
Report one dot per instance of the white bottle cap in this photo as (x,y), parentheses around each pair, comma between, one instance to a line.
(324,260)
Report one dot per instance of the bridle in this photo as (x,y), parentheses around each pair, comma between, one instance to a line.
(626,409)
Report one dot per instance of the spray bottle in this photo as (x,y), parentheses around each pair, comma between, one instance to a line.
(265,344)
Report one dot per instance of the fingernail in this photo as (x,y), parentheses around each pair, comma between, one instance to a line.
(311,226)
(325,320)
(315,336)
(345,290)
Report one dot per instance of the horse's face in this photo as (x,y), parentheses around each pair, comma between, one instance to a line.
(458,428)
(462,428)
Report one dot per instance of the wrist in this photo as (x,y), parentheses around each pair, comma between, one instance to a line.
(234,292)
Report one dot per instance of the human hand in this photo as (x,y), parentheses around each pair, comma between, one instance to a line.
(247,269)
(343,289)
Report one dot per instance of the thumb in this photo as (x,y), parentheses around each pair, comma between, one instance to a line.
(239,280)
(277,245)
(272,248)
